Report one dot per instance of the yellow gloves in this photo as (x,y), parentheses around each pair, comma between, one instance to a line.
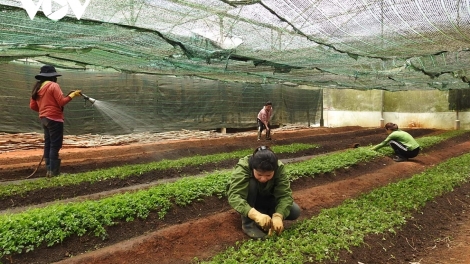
(263,220)
(278,226)
(75,93)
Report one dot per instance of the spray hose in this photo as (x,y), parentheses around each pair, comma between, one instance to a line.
(87,98)
(34,172)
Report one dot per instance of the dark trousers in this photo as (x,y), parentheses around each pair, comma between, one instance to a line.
(53,138)
(261,125)
(402,151)
(267,204)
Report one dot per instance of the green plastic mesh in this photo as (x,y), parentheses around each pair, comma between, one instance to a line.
(128,102)
(359,44)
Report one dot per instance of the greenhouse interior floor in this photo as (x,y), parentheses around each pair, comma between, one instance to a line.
(437,233)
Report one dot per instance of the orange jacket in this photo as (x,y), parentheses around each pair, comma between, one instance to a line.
(50,102)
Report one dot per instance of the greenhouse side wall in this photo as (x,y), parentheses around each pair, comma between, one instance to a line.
(373,108)
(127,103)
(142,102)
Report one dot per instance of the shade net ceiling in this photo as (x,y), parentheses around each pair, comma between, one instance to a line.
(359,44)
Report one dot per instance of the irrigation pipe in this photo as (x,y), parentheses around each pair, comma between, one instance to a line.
(31,175)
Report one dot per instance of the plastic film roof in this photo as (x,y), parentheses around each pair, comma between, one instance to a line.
(359,44)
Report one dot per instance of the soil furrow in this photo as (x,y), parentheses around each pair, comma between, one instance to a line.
(210,225)
(208,235)
(346,140)
(17,165)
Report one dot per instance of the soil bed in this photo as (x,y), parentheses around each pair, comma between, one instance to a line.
(326,142)
(209,226)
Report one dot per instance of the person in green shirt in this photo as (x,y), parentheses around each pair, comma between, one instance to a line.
(260,191)
(404,145)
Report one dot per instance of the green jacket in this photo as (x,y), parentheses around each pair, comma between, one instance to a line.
(279,186)
(402,137)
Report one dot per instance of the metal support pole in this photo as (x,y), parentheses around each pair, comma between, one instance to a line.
(382,121)
(322,122)
(457,121)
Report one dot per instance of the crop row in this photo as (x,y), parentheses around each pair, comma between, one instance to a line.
(382,210)
(126,171)
(52,224)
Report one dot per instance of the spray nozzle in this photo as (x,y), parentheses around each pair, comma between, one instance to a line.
(88,98)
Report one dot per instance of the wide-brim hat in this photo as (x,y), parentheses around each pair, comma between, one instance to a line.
(47,71)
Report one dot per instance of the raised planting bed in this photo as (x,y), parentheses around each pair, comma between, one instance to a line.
(229,231)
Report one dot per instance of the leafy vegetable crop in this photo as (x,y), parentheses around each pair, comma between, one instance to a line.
(52,224)
(382,210)
(131,170)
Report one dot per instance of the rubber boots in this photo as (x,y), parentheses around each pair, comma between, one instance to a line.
(252,229)
(259,134)
(48,167)
(55,167)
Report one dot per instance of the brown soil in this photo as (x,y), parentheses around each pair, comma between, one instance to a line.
(438,233)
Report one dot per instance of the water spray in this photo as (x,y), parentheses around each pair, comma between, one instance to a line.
(87,98)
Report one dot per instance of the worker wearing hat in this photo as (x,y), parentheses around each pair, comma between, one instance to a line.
(47,99)
(260,191)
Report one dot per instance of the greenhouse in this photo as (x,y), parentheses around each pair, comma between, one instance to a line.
(171,94)
(208,64)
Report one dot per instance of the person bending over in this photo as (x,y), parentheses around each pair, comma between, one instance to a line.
(260,191)
(264,116)
(404,145)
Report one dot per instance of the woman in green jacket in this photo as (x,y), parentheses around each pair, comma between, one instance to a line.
(404,145)
(260,191)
